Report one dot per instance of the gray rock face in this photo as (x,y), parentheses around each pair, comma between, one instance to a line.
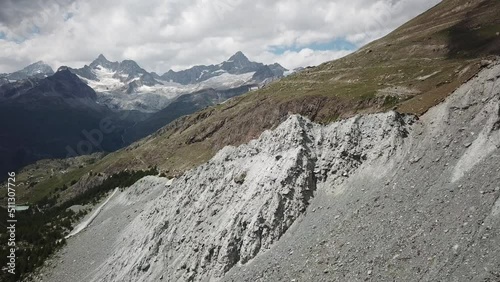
(15,89)
(3,80)
(85,72)
(241,202)
(145,79)
(277,69)
(382,197)
(102,61)
(429,213)
(128,70)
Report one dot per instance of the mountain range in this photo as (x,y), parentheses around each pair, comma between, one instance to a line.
(38,104)
(235,65)
(35,70)
(126,86)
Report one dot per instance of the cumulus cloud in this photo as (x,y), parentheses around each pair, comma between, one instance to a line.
(165,34)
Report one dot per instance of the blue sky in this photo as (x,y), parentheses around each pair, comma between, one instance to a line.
(67,16)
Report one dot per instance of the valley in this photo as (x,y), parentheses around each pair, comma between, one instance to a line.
(123,96)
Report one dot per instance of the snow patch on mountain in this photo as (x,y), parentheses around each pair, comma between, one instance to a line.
(110,90)
(106,82)
(126,86)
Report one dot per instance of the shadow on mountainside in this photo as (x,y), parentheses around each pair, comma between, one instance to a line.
(478,33)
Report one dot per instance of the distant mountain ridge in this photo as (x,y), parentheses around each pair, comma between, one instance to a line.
(44,112)
(61,85)
(236,64)
(183,105)
(117,83)
(40,118)
(126,71)
(129,70)
(35,70)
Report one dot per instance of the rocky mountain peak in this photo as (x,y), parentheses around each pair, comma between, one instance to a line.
(239,57)
(68,85)
(102,58)
(62,68)
(64,72)
(130,68)
(39,63)
(130,64)
(38,69)
(102,61)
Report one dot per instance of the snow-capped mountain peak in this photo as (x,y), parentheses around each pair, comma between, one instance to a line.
(126,85)
(102,61)
(237,64)
(239,57)
(130,68)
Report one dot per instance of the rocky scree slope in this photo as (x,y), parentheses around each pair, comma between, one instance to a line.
(243,200)
(382,197)
(431,214)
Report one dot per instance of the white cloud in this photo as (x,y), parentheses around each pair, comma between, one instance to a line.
(304,57)
(164,34)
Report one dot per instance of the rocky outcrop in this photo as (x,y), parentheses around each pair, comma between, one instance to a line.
(242,201)
(428,213)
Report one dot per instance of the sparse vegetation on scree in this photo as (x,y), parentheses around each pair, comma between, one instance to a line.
(42,228)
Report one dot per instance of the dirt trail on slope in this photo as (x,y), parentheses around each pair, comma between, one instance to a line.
(80,227)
